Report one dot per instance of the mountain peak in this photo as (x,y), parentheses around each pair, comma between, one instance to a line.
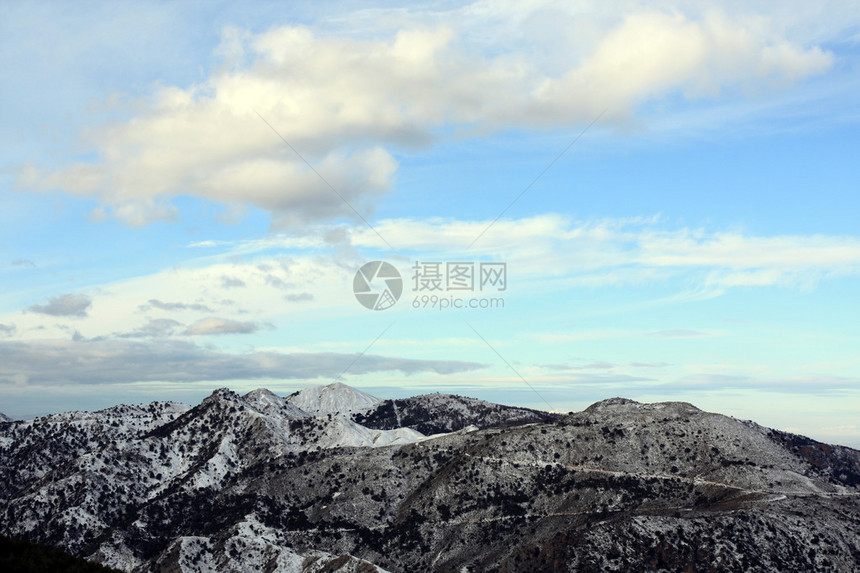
(335,398)
(617,403)
(626,405)
(264,400)
(262,394)
(222,394)
(4,418)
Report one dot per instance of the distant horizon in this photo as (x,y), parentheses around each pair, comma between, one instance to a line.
(285,394)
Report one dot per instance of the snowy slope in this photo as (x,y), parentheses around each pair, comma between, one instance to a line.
(329,430)
(270,403)
(339,432)
(4,418)
(335,398)
(251,544)
(31,449)
(253,483)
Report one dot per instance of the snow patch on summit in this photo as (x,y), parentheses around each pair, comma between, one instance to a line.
(335,398)
(268,402)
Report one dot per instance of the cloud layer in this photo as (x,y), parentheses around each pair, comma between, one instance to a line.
(124,361)
(615,252)
(545,254)
(345,103)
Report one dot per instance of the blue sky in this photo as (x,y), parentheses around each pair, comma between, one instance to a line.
(698,242)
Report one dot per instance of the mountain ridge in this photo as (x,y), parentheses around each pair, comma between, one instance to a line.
(239,482)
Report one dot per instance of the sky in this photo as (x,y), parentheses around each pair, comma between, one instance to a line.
(574,201)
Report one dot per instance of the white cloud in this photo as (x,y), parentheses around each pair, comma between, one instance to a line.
(617,252)
(545,254)
(344,103)
(651,54)
(131,307)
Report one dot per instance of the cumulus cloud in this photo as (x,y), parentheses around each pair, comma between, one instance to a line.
(73,305)
(107,362)
(651,54)
(7,329)
(345,103)
(214,325)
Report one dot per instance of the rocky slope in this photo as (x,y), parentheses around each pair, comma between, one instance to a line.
(257,482)
(439,413)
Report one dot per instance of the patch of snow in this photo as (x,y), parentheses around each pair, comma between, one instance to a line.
(267,402)
(335,398)
(340,433)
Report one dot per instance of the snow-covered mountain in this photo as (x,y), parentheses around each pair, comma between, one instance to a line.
(4,418)
(31,449)
(252,546)
(254,482)
(144,456)
(270,403)
(335,398)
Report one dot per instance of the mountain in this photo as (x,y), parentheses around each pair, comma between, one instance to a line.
(30,450)
(4,418)
(256,482)
(438,413)
(270,403)
(335,398)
